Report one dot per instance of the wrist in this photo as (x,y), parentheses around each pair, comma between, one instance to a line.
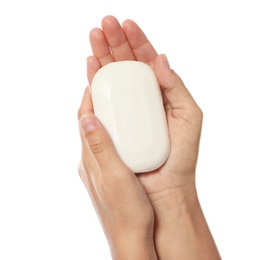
(175,200)
(177,211)
(133,247)
(181,230)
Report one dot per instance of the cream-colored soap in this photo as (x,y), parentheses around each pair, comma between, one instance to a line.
(127,99)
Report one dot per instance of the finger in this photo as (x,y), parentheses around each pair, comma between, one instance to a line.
(98,141)
(116,39)
(101,146)
(95,135)
(93,131)
(85,109)
(88,168)
(100,46)
(93,65)
(175,92)
(87,163)
(139,43)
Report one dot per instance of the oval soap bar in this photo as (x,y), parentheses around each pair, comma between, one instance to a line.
(127,100)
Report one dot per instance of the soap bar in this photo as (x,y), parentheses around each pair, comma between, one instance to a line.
(127,100)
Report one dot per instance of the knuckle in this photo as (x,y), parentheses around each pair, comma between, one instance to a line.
(98,145)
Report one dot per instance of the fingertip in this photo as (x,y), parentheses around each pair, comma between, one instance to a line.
(88,123)
(162,60)
(95,33)
(130,27)
(90,59)
(162,68)
(108,17)
(165,60)
(172,85)
(109,20)
(128,23)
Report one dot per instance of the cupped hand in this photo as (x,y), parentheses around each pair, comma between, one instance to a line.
(179,229)
(175,180)
(119,199)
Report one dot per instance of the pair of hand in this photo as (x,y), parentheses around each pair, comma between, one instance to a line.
(154,215)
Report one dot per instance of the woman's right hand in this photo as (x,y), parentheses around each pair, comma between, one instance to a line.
(119,199)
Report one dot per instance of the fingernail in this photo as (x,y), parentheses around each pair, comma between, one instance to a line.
(166,61)
(88,123)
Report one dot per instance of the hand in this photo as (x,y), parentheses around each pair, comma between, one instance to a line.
(115,43)
(171,188)
(119,199)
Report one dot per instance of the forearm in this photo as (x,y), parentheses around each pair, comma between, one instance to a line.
(182,232)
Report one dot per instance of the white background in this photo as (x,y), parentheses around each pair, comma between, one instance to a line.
(217,49)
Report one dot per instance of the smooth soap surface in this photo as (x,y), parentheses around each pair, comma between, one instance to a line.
(127,100)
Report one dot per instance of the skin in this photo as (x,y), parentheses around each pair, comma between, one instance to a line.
(154,215)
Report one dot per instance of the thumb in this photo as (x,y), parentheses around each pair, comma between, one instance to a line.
(174,89)
(99,141)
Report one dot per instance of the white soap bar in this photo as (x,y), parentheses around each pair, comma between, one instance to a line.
(127,100)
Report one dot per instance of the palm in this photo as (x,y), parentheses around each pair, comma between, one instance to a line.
(115,43)
(181,162)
